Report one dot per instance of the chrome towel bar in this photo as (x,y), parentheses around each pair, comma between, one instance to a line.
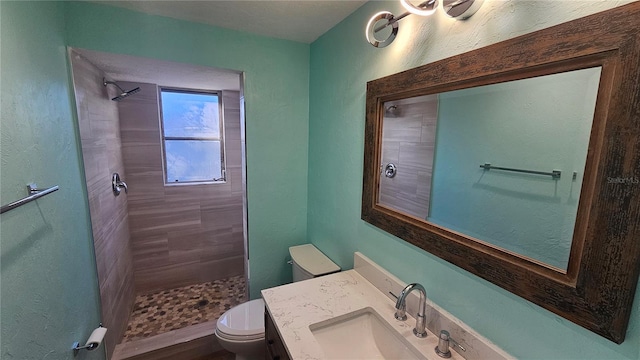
(34,194)
(555,174)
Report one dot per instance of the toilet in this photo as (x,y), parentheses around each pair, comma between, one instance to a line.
(240,330)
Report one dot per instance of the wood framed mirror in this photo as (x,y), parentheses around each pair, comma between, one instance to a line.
(594,283)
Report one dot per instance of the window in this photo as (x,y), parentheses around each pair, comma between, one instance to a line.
(192,136)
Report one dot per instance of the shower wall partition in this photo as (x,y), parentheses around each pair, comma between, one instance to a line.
(101,152)
(181,234)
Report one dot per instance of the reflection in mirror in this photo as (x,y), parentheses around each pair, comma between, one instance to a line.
(408,142)
(540,124)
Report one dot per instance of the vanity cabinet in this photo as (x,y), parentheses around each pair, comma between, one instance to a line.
(274,347)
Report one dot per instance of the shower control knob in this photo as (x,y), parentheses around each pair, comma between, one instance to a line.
(117,185)
(390,170)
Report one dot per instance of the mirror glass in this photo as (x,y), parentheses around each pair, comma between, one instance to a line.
(501,163)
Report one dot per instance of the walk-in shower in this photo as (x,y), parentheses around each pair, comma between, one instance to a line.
(123,93)
(165,273)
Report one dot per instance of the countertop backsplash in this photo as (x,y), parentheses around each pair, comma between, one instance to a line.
(476,346)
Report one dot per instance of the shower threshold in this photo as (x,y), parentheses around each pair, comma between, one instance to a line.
(192,342)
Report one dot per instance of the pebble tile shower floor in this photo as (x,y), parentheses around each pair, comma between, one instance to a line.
(173,309)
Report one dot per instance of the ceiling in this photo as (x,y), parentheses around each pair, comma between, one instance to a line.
(119,67)
(297,20)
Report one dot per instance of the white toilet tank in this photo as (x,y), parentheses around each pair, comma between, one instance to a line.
(309,262)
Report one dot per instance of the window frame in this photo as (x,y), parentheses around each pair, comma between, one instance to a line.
(221,138)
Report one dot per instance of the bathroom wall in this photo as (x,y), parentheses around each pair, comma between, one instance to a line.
(182,234)
(341,63)
(99,128)
(276,94)
(532,215)
(50,295)
(47,266)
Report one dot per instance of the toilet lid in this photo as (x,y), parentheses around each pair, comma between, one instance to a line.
(312,260)
(246,319)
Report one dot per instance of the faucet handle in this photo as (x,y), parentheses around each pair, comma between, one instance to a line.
(457,344)
(443,345)
(401,309)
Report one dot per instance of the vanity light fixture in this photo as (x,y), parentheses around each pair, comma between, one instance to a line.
(457,9)
(380,17)
(425,9)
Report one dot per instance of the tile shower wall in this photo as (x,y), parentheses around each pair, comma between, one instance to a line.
(181,234)
(100,138)
(408,141)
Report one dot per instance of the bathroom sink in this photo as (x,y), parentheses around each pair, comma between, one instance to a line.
(362,334)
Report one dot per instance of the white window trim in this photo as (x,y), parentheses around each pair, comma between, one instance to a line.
(223,162)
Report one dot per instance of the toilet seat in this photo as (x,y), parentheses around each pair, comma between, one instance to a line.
(242,322)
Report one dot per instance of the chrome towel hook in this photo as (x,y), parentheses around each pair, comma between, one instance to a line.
(117,184)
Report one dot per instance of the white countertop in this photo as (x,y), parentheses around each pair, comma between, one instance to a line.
(294,307)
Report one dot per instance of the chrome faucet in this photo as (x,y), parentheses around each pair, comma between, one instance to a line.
(401,306)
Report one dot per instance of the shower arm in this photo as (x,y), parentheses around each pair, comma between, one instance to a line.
(105,83)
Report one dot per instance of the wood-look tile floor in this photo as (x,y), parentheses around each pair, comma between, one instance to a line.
(173,309)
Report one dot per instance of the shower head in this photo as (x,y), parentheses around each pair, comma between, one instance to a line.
(123,94)
(392,111)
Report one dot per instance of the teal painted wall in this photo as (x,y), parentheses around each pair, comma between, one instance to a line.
(341,64)
(532,215)
(47,273)
(299,118)
(277,111)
